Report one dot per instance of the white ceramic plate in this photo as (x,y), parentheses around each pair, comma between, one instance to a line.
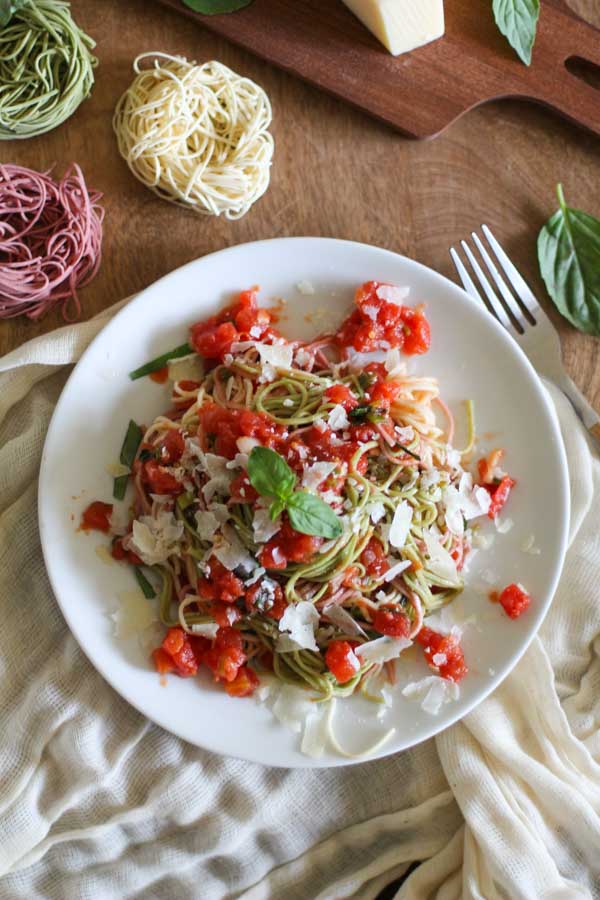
(473,358)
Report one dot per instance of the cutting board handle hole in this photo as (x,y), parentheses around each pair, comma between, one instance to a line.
(585,70)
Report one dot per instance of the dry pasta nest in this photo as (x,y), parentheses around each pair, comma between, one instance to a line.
(196,135)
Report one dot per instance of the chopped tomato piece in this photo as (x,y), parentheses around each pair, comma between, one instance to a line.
(97,516)
(220,583)
(488,465)
(245,683)
(159,481)
(271,557)
(377,320)
(341,394)
(288,546)
(266,596)
(342,661)
(226,655)
(214,336)
(373,559)
(443,653)
(119,552)
(177,645)
(160,375)
(391,622)
(515,600)
(170,450)
(242,491)
(220,428)
(225,614)
(163,661)
(417,333)
(499,494)
(383,393)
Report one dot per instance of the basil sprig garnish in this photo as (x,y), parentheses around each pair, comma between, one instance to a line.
(215,7)
(271,476)
(569,259)
(132,441)
(7,10)
(517,20)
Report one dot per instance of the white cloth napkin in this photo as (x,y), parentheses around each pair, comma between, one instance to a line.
(95,802)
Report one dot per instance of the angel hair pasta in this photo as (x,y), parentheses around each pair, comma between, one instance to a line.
(196,135)
(46,68)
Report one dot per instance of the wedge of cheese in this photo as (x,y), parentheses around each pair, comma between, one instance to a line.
(401,25)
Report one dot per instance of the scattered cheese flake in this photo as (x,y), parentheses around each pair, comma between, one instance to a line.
(316,733)
(400,527)
(397,569)
(528,546)
(206,629)
(320,425)
(342,618)
(382,649)
(429,478)
(392,294)
(393,361)
(187,368)
(247,444)
(292,707)
(288,402)
(452,457)
(133,614)
(504,526)
(439,659)
(263,526)
(206,524)
(230,551)
(306,288)
(370,311)
(440,561)
(258,573)
(301,620)
(155,539)
(433,692)
(316,474)
(338,420)
(303,359)
(117,470)
(268,374)
(483,541)
(277,355)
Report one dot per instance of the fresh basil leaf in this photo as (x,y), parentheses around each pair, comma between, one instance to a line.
(269,474)
(569,259)
(517,20)
(359,413)
(277,507)
(8,8)
(214,7)
(309,514)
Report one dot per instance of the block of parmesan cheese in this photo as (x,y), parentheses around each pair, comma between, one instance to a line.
(401,25)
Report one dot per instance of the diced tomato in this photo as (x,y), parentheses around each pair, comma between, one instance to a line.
(342,661)
(214,337)
(225,614)
(488,465)
(373,559)
(448,652)
(378,320)
(499,494)
(383,393)
(350,576)
(214,342)
(245,683)
(119,552)
(96,517)
(220,583)
(220,428)
(391,622)
(266,596)
(170,450)
(163,661)
(159,480)
(160,375)
(242,491)
(226,655)
(200,646)
(341,394)
(515,600)
(289,546)
(325,445)
(177,645)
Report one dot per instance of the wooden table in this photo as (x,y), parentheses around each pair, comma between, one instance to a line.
(336,173)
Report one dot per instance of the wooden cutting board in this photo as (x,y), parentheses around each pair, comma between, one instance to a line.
(422,92)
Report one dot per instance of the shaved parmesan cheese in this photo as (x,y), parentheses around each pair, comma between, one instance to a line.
(119,520)
(133,614)
(305,287)
(429,478)
(239,461)
(452,457)
(400,526)
(397,569)
(247,444)
(338,420)
(504,526)
(292,707)
(277,355)
(433,692)
(206,524)
(301,620)
(316,474)
(405,435)
(268,374)
(357,360)
(258,573)
(219,476)
(316,732)
(483,541)
(392,294)
(376,511)
(370,311)
(393,361)
(155,539)
(320,425)
(288,402)
(117,470)
(206,629)
(231,553)
(528,546)
(187,368)
(342,618)
(304,359)
(440,561)
(263,526)
(382,649)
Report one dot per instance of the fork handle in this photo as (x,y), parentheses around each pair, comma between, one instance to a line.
(584,409)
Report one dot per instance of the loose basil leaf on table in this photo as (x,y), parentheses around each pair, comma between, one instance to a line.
(517,20)
(311,515)
(214,7)
(8,8)
(569,259)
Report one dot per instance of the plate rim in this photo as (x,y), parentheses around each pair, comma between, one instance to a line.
(451,718)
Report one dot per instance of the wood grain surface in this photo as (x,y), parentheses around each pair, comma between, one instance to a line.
(336,173)
(420,93)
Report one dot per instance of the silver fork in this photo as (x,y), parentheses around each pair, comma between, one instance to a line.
(525,321)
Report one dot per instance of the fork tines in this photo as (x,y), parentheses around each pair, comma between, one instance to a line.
(503,303)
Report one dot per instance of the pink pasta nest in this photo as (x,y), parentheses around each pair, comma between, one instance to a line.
(50,241)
